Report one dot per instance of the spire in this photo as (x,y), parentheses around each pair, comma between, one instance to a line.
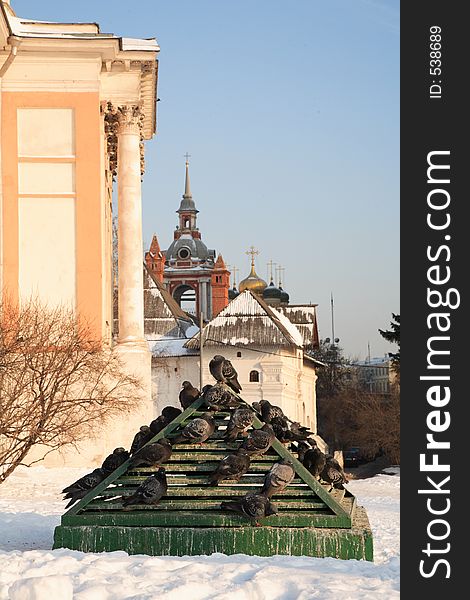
(187,186)
(187,203)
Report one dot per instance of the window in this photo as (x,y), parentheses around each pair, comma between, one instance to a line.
(239,354)
(254,376)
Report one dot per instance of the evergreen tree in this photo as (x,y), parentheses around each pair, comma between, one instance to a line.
(393,336)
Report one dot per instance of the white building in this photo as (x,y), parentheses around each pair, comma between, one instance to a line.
(265,347)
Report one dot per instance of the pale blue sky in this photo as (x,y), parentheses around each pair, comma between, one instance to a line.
(290,111)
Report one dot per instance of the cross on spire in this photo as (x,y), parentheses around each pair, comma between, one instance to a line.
(235,271)
(280,271)
(270,266)
(187,157)
(253,251)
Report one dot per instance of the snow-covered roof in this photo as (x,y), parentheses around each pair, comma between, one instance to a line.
(248,320)
(304,317)
(170,347)
(29,28)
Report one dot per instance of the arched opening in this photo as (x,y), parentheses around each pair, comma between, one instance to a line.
(254,376)
(185,295)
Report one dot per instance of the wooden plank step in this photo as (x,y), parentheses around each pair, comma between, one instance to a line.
(180,518)
(200,480)
(197,505)
(210,491)
(216,455)
(209,466)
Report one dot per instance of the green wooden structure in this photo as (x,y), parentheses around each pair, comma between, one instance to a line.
(311,520)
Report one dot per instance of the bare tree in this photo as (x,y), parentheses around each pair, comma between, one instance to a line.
(57,384)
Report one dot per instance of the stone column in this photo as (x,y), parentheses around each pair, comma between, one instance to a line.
(131,302)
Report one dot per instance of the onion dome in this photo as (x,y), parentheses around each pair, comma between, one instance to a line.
(233,293)
(272,294)
(253,282)
(284,296)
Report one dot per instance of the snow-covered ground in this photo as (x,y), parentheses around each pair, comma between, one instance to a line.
(31,505)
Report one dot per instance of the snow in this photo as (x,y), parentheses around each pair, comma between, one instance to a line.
(31,505)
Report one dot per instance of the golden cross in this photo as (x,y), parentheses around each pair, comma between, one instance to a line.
(235,271)
(280,271)
(187,157)
(252,250)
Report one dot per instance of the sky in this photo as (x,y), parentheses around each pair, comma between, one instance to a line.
(290,112)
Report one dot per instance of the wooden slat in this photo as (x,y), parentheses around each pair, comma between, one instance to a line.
(175,504)
(212,491)
(181,518)
(198,480)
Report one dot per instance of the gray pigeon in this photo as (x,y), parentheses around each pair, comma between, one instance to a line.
(152,455)
(80,488)
(219,398)
(143,436)
(253,506)
(233,466)
(239,422)
(150,491)
(114,460)
(259,440)
(333,474)
(188,394)
(278,478)
(222,370)
(197,431)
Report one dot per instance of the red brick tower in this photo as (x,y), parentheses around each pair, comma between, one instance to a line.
(220,283)
(155,260)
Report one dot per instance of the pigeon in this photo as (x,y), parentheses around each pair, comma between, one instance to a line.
(278,478)
(269,411)
(197,431)
(188,394)
(143,436)
(253,506)
(312,459)
(300,432)
(281,429)
(219,398)
(239,422)
(114,460)
(333,474)
(259,440)
(233,466)
(80,488)
(222,370)
(152,455)
(150,491)
(169,414)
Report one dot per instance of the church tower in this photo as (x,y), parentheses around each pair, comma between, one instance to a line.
(155,260)
(189,265)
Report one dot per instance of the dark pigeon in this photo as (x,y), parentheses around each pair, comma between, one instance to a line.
(223,371)
(233,466)
(252,506)
(188,394)
(114,460)
(169,414)
(143,436)
(269,411)
(150,491)
(197,431)
(281,429)
(219,398)
(333,474)
(300,432)
(152,455)
(80,488)
(259,440)
(239,422)
(312,459)
(278,478)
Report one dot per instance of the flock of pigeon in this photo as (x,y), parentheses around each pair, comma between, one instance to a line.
(255,443)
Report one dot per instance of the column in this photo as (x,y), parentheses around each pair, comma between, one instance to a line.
(131,302)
